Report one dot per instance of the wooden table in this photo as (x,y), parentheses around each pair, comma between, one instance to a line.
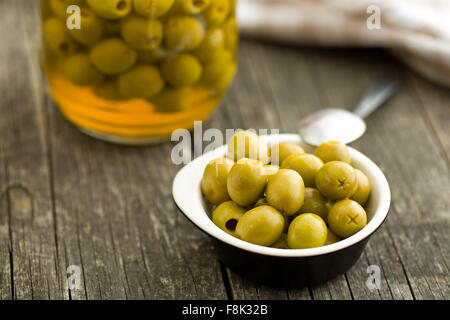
(67,199)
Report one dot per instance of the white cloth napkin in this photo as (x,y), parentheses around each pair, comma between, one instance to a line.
(417,31)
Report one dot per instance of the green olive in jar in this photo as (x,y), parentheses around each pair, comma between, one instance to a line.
(57,37)
(246,182)
(59,8)
(336,180)
(227,215)
(214,181)
(190,7)
(142,81)
(217,12)
(183,33)
(91,28)
(232,33)
(152,8)
(286,191)
(142,33)
(154,56)
(108,89)
(79,69)
(110,9)
(172,100)
(217,66)
(212,45)
(262,225)
(112,56)
(182,70)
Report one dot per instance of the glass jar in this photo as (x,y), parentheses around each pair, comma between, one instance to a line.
(132,71)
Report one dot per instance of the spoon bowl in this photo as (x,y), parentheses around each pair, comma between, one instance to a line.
(341,125)
(331,125)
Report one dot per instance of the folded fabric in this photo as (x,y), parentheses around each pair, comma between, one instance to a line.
(417,31)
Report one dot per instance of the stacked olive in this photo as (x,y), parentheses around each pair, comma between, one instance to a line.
(149,49)
(308,201)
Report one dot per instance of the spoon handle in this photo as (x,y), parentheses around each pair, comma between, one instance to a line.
(375,96)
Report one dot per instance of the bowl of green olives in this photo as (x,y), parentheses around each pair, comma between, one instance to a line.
(281,213)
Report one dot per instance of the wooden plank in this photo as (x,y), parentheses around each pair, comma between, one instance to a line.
(25,170)
(435,102)
(119,221)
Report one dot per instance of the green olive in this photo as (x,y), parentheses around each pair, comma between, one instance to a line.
(110,9)
(363,191)
(333,151)
(141,33)
(282,150)
(262,225)
(46,9)
(59,7)
(227,215)
(181,70)
(331,237)
(286,191)
(112,56)
(79,69)
(307,231)
(307,165)
(217,66)
(57,37)
(212,45)
(214,181)
(247,144)
(260,202)
(220,86)
(107,90)
(246,182)
(152,8)
(183,33)
(173,100)
(112,27)
(142,81)
(281,243)
(336,180)
(232,34)
(217,12)
(346,218)
(315,203)
(190,7)
(91,28)
(154,56)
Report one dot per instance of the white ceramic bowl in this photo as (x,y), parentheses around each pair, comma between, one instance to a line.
(240,254)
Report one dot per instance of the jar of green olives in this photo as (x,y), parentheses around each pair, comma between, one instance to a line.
(132,71)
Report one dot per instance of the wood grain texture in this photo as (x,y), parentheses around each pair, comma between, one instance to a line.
(67,199)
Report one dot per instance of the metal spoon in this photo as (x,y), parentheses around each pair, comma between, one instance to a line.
(333,124)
